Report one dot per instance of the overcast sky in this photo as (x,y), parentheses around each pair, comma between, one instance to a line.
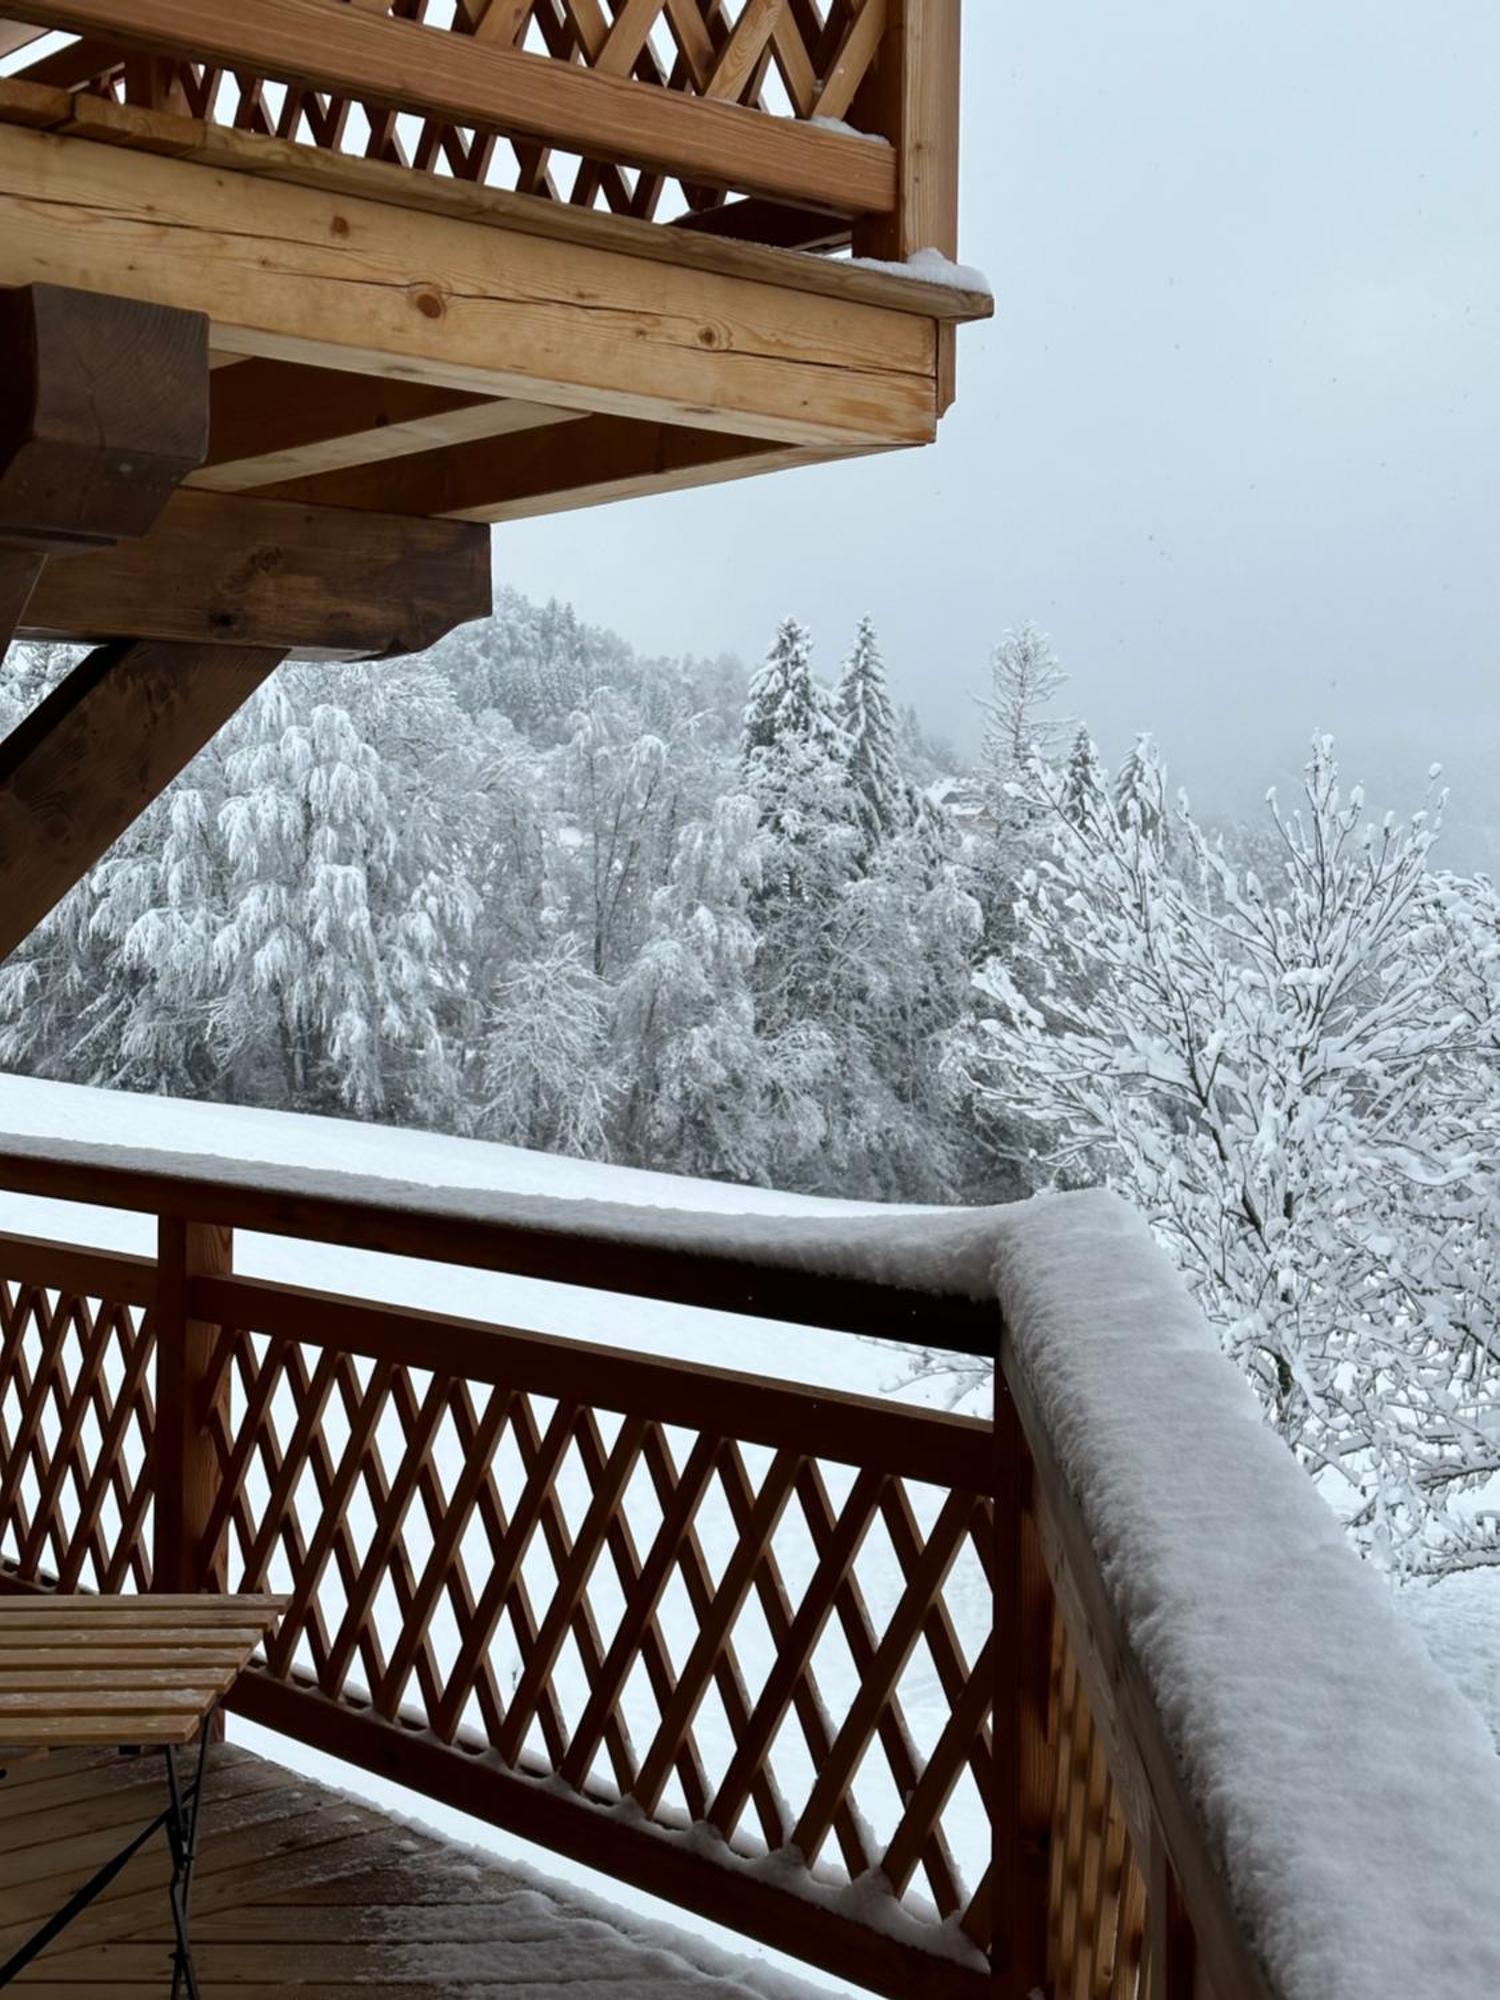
(1231,437)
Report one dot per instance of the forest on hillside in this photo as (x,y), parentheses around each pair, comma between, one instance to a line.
(535,888)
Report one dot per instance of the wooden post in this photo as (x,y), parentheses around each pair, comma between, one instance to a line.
(185,1461)
(912,99)
(1021,1808)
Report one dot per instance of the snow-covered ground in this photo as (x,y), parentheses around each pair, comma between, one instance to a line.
(1300,1703)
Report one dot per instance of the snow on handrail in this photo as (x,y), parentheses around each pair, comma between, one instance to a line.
(1348,1794)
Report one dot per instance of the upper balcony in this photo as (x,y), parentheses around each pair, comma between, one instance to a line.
(484,259)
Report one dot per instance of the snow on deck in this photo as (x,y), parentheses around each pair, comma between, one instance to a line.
(1350,1791)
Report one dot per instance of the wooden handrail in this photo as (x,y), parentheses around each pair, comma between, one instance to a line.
(470,1228)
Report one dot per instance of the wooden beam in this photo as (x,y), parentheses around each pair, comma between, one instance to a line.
(273,422)
(14,35)
(226,570)
(549,471)
(89,760)
(262,157)
(19,570)
(103,409)
(291,273)
(469,81)
(912,95)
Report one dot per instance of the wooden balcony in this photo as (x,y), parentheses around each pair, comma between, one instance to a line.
(485,259)
(848,1676)
(496,1542)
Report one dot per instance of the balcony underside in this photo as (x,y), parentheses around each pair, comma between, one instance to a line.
(400,344)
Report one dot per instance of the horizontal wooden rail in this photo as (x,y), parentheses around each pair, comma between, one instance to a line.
(893,1438)
(63,1267)
(319,46)
(439,1233)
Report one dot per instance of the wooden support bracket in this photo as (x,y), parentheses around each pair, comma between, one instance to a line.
(90,759)
(103,410)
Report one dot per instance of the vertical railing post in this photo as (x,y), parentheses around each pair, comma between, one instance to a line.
(185,1462)
(1171,1948)
(912,98)
(1021,1807)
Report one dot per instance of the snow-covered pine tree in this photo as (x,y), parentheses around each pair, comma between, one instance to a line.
(883,800)
(1083,778)
(1140,790)
(792,768)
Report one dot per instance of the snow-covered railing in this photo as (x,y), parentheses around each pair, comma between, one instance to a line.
(1090,1701)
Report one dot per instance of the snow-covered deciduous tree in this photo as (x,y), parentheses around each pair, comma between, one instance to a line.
(343,913)
(694,1072)
(1025,680)
(1294,1076)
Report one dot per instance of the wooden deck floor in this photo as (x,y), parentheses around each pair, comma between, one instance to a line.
(298,1888)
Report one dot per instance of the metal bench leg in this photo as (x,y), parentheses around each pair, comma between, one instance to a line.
(184,1816)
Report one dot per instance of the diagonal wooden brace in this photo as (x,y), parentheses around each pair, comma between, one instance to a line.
(103,410)
(89,760)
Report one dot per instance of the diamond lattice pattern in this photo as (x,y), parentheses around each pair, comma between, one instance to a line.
(804,59)
(794,1651)
(75,1439)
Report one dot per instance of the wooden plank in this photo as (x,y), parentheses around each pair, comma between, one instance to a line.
(272,422)
(59,1267)
(692,242)
(632,1853)
(471,82)
(592,462)
(101,746)
(130,1662)
(19,571)
(237,571)
(14,35)
(464,305)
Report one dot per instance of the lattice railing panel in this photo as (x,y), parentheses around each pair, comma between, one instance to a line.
(801,59)
(793,1649)
(1097,1899)
(75,1438)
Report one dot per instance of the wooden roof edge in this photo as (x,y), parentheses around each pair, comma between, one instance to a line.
(78,115)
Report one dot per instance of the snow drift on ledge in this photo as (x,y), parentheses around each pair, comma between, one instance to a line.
(1350,1791)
